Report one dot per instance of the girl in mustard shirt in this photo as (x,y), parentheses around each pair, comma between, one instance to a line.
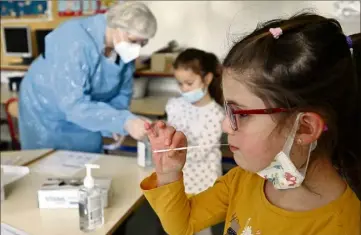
(293,92)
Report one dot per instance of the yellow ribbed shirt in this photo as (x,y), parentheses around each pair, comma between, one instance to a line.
(238,199)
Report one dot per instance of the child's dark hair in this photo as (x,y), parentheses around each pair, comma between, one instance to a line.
(310,67)
(202,63)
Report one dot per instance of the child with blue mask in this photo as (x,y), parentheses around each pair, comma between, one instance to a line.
(198,113)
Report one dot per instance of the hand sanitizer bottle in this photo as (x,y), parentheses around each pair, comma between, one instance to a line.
(91,212)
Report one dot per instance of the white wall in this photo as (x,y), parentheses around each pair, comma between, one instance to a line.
(211,25)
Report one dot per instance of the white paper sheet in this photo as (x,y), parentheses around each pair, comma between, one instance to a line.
(13,173)
(64,163)
(11,160)
(21,158)
(9,230)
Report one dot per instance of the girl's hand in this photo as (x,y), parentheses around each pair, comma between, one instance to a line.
(168,165)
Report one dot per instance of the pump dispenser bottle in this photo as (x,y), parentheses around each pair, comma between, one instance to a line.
(91,212)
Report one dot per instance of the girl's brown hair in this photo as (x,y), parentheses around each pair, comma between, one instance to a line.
(310,67)
(202,63)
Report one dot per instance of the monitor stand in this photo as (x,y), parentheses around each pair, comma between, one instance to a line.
(26,61)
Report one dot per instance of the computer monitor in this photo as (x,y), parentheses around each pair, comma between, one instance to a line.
(17,41)
(40,39)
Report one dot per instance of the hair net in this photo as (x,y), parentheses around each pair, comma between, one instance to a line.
(133,17)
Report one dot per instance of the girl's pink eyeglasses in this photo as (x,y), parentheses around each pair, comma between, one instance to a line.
(232,111)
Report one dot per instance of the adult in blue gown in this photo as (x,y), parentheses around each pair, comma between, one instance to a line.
(78,91)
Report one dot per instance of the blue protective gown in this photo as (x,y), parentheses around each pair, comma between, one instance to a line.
(74,95)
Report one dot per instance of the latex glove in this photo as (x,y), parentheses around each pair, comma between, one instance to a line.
(119,139)
(118,142)
(146,119)
(135,128)
(116,137)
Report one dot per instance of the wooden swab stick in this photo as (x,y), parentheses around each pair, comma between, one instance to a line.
(190,147)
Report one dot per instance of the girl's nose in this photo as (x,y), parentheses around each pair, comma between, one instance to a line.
(226,126)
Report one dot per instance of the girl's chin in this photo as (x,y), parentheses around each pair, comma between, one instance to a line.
(239,159)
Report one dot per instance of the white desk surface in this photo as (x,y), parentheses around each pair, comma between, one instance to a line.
(24,157)
(20,209)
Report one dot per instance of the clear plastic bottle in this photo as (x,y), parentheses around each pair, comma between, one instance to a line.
(91,210)
(144,150)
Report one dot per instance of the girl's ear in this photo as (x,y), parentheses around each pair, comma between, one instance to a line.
(311,127)
(208,78)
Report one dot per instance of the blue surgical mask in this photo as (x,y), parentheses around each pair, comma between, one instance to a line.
(194,96)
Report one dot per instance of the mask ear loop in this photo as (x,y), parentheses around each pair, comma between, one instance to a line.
(290,139)
(205,86)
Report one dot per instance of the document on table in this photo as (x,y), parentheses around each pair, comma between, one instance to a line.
(21,158)
(8,230)
(64,163)
(11,160)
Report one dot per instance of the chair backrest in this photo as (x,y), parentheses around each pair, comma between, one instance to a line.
(13,108)
(12,112)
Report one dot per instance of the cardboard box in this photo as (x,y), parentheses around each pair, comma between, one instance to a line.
(163,62)
(139,64)
(63,192)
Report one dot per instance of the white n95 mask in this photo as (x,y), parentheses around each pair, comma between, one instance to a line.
(127,51)
(282,172)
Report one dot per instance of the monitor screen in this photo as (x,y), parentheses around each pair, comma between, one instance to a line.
(40,39)
(17,40)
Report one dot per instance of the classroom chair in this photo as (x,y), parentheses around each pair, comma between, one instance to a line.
(12,114)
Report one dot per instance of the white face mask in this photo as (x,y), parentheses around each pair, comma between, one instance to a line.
(127,51)
(282,172)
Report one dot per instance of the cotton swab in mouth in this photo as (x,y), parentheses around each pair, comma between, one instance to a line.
(189,147)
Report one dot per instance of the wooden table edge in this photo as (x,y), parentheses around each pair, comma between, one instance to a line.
(40,157)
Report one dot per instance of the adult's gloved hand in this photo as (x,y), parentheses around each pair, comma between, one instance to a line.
(135,128)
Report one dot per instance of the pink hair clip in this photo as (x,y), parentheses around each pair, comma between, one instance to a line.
(276,32)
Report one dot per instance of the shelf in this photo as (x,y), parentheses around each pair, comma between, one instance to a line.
(148,73)
(140,73)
